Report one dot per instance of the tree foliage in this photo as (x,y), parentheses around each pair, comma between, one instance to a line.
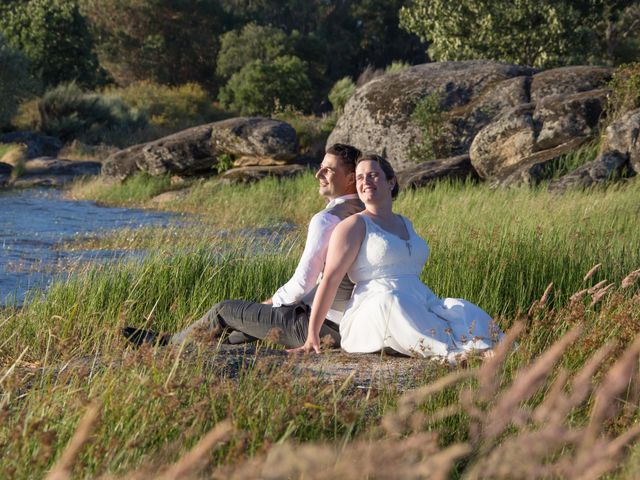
(261,87)
(541,33)
(165,41)
(68,112)
(251,42)
(55,37)
(15,80)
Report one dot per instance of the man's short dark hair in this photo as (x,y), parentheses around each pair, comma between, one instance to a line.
(347,154)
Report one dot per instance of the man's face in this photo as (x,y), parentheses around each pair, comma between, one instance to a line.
(333,178)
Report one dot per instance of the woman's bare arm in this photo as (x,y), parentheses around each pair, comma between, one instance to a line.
(343,249)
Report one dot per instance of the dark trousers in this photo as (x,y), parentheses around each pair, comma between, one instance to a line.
(287,325)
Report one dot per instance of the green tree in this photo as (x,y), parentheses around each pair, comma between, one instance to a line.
(55,37)
(15,81)
(336,38)
(252,42)
(262,88)
(528,32)
(541,33)
(380,38)
(166,41)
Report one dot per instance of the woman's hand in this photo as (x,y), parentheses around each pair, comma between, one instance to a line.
(312,344)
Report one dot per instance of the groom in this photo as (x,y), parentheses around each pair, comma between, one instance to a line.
(284,318)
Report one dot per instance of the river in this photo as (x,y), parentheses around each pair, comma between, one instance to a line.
(34,222)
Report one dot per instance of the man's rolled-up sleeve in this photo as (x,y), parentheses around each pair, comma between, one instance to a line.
(311,262)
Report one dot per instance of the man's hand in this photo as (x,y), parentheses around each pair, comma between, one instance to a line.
(268,301)
(311,345)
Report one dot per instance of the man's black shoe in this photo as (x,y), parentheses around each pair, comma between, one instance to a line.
(138,337)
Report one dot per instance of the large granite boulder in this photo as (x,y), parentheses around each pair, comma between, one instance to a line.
(471,94)
(567,81)
(255,137)
(608,166)
(622,137)
(512,121)
(255,173)
(565,108)
(38,145)
(533,169)
(532,134)
(426,173)
(197,150)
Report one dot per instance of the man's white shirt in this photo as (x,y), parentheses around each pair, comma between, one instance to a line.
(302,285)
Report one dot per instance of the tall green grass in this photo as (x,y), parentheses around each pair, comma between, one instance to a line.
(497,248)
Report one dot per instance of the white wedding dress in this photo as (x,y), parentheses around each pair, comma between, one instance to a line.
(391,307)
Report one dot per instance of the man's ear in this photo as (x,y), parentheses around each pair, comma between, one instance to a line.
(351,178)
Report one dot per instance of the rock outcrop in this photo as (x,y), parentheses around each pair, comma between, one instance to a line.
(607,166)
(512,121)
(425,173)
(622,137)
(471,94)
(257,172)
(197,151)
(619,156)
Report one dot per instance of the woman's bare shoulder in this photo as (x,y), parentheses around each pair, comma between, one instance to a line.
(351,227)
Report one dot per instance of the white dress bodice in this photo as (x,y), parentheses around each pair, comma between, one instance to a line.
(391,307)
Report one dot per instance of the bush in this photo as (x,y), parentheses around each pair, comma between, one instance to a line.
(341,92)
(625,91)
(68,112)
(15,81)
(312,131)
(253,42)
(170,108)
(430,120)
(262,88)
(54,35)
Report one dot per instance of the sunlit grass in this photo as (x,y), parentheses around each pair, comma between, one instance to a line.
(498,248)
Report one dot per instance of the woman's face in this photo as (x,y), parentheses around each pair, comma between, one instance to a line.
(371,181)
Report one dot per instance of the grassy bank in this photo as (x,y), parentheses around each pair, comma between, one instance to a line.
(500,249)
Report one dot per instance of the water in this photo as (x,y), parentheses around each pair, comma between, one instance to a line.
(34,221)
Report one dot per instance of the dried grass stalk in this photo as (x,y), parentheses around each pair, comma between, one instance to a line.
(63,467)
(526,383)
(596,287)
(193,461)
(615,382)
(545,295)
(396,422)
(591,272)
(579,295)
(599,295)
(630,279)
(488,373)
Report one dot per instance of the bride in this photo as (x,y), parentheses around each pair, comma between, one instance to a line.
(390,306)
